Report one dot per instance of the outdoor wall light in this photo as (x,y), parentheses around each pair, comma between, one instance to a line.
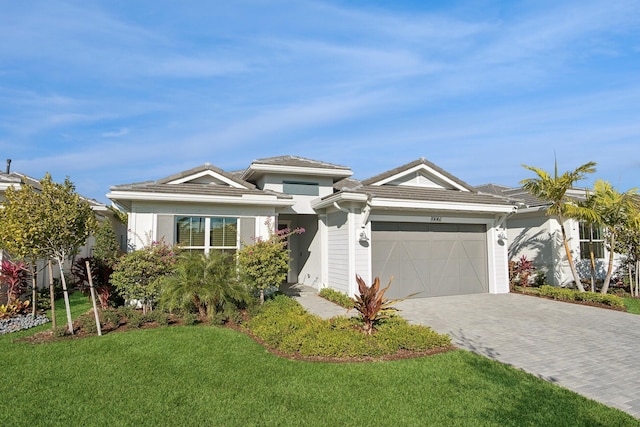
(363,236)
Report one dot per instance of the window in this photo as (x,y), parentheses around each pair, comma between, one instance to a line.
(591,234)
(301,188)
(206,234)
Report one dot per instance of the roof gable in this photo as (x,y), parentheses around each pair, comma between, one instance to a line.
(206,174)
(419,173)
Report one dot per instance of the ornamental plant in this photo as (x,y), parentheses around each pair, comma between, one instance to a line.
(264,265)
(371,303)
(14,276)
(138,275)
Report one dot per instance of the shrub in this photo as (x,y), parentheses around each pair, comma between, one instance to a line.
(136,320)
(520,271)
(138,274)
(189,319)
(157,316)
(110,318)
(284,325)
(87,323)
(336,297)
(264,265)
(14,276)
(565,294)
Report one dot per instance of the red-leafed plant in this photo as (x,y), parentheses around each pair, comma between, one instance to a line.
(520,271)
(13,275)
(371,303)
(100,274)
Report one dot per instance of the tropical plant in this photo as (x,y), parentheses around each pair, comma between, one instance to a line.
(207,283)
(371,303)
(520,271)
(628,244)
(613,208)
(15,308)
(137,275)
(264,264)
(100,276)
(553,189)
(14,276)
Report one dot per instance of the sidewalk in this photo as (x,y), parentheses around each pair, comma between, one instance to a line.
(309,299)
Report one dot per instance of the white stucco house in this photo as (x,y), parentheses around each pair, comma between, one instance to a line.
(533,233)
(435,234)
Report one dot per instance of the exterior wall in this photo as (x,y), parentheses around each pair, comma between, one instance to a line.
(539,238)
(143,221)
(338,251)
(274,182)
(498,259)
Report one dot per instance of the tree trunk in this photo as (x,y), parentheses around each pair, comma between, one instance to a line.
(66,296)
(261,296)
(592,258)
(52,297)
(93,298)
(34,292)
(574,272)
(607,278)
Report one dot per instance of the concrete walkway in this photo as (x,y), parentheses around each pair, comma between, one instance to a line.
(591,351)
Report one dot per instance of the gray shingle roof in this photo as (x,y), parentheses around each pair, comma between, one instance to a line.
(515,194)
(429,194)
(298,162)
(195,189)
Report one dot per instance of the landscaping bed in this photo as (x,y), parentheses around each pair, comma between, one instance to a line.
(593,299)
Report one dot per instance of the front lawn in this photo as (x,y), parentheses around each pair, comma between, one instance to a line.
(202,375)
(632,305)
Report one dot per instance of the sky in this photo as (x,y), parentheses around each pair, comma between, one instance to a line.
(115,92)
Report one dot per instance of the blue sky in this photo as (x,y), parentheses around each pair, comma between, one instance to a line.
(115,92)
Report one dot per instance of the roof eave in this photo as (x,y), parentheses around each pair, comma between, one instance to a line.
(339,198)
(259,169)
(122,197)
(441,206)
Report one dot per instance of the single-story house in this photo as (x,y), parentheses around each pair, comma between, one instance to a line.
(16,180)
(435,234)
(534,234)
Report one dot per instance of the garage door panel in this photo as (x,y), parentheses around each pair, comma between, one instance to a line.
(430,259)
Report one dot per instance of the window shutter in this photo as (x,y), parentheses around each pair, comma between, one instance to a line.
(247,230)
(165,229)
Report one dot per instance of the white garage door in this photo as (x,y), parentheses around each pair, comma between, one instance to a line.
(430,259)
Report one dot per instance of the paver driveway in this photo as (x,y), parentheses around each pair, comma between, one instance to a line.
(592,351)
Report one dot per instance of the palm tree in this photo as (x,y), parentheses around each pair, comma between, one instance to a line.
(553,189)
(613,209)
(585,211)
(205,282)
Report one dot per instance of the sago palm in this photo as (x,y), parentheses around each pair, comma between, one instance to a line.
(553,189)
(207,283)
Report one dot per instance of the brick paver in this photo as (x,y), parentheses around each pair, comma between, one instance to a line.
(589,350)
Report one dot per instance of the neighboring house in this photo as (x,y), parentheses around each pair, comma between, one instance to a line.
(17,180)
(536,235)
(435,234)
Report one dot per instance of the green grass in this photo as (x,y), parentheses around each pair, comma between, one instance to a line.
(632,305)
(202,375)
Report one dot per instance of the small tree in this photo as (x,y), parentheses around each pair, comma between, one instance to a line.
(67,221)
(22,230)
(264,265)
(138,275)
(106,248)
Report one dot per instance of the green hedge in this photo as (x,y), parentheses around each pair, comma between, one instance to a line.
(284,325)
(565,294)
(336,297)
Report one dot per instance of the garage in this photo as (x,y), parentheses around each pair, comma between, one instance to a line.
(430,259)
